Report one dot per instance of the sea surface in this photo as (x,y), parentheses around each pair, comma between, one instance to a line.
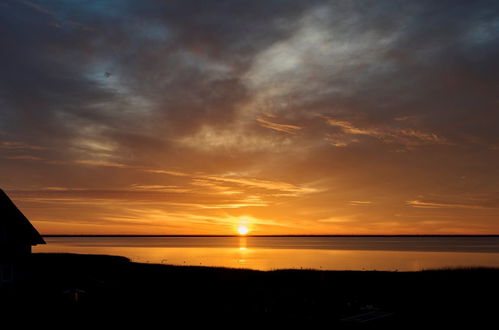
(269,253)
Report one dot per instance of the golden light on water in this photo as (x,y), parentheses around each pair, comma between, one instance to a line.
(242,230)
(249,252)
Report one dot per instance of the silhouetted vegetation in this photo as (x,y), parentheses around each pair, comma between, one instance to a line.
(91,289)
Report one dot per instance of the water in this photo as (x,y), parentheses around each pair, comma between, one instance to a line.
(268,253)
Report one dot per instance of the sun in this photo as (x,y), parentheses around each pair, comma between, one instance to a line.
(242,230)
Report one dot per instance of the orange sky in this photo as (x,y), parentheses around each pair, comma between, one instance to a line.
(312,117)
(172,202)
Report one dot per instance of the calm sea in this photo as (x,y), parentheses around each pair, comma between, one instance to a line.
(267,253)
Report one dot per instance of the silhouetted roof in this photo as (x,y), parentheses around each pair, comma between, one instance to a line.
(14,226)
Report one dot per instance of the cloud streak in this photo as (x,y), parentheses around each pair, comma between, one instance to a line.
(289,129)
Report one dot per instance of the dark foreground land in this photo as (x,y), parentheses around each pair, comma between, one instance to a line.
(93,291)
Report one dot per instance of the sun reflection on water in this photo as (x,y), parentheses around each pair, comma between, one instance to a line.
(245,252)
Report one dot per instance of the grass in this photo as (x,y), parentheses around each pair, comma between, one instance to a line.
(116,290)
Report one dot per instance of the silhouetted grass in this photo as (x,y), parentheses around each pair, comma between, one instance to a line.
(117,291)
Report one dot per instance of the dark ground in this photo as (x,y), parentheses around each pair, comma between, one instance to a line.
(115,291)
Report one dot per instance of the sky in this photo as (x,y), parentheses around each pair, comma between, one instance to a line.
(287,117)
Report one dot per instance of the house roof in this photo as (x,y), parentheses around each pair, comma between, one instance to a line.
(14,226)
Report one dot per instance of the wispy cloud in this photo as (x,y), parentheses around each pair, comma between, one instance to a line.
(23,157)
(214,180)
(101,163)
(172,173)
(453,205)
(159,188)
(405,136)
(265,184)
(360,203)
(336,220)
(289,129)
(18,145)
(37,7)
(209,139)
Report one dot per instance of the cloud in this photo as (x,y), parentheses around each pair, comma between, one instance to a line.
(265,184)
(336,220)
(100,163)
(18,145)
(427,204)
(473,204)
(208,139)
(173,173)
(214,180)
(286,111)
(37,7)
(360,203)
(158,188)
(23,157)
(289,129)
(404,136)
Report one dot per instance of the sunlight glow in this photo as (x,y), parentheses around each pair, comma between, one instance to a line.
(242,230)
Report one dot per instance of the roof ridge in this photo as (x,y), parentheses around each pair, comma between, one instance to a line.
(14,226)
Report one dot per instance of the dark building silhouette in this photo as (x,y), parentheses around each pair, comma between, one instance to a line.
(17,236)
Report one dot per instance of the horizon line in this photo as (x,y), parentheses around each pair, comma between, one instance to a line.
(301,235)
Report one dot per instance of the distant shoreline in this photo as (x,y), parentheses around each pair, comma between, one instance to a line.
(84,235)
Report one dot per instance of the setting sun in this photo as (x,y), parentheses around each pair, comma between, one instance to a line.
(242,230)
